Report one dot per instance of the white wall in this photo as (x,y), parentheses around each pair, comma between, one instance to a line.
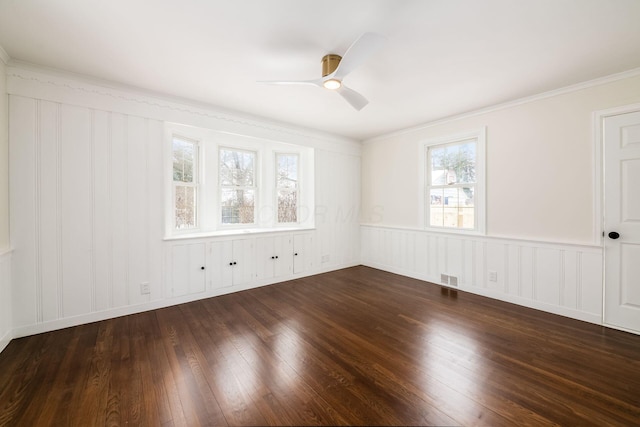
(540,167)
(4,156)
(5,245)
(543,206)
(87,196)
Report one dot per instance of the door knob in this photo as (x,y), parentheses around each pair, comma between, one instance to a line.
(614,235)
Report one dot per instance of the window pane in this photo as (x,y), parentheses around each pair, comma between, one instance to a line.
(453,163)
(183,160)
(237,168)
(463,162)
(185,207)
(466,218)
(238,206)
(438,170)
(452,178)
(287,170)
(435,207)
(466,196)
(450,217)
(287,206)
(452,207)
(451,197)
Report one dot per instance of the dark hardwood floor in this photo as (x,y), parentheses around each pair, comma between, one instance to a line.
(357,346)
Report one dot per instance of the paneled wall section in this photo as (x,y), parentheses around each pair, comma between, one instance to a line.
(86,205)
(558,278)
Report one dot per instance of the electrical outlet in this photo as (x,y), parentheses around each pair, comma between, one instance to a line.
(493,276)
(453,280)
(444,279)
(145,288)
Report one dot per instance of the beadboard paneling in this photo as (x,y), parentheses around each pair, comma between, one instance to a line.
(86,223)
(562,279)
(87,205)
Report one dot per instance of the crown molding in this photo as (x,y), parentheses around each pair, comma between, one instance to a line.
(509,104)
(21,75)
(4,56)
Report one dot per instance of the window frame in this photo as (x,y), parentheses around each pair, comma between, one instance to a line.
(479,135)
(256,187)
(209,212)
(276,188)
(197,179)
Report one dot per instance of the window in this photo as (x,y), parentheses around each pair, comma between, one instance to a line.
(185,183)
(237,169)
(454,182)
(224,183)
(287,187)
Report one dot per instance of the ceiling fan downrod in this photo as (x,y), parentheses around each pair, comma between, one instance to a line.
(329,63)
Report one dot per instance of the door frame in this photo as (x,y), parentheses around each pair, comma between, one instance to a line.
(598,186)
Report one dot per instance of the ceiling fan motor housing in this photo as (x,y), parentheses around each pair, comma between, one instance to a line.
(330,63)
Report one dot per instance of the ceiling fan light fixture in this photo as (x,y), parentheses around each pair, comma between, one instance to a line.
(332,84)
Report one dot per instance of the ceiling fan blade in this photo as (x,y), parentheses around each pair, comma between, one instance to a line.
(358,52)
(356,100)
(315,82)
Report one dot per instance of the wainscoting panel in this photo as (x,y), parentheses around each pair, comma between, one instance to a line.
(6,323)
(559,278)
(86,187)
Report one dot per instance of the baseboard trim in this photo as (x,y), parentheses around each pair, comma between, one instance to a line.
(524,302)
(82,319)
(5,340)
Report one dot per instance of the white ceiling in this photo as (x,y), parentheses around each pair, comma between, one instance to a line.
(442,57)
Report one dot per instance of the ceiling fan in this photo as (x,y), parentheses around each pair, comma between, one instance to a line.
(335,68)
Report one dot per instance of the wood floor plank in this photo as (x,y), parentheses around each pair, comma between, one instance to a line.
(356,346)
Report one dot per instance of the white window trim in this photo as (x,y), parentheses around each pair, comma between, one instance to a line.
(480,186)
(208,210)
(196,184)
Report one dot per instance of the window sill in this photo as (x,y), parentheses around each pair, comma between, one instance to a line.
(236,232)
(452,230)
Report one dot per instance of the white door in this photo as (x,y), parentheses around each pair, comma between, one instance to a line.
(622,220)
